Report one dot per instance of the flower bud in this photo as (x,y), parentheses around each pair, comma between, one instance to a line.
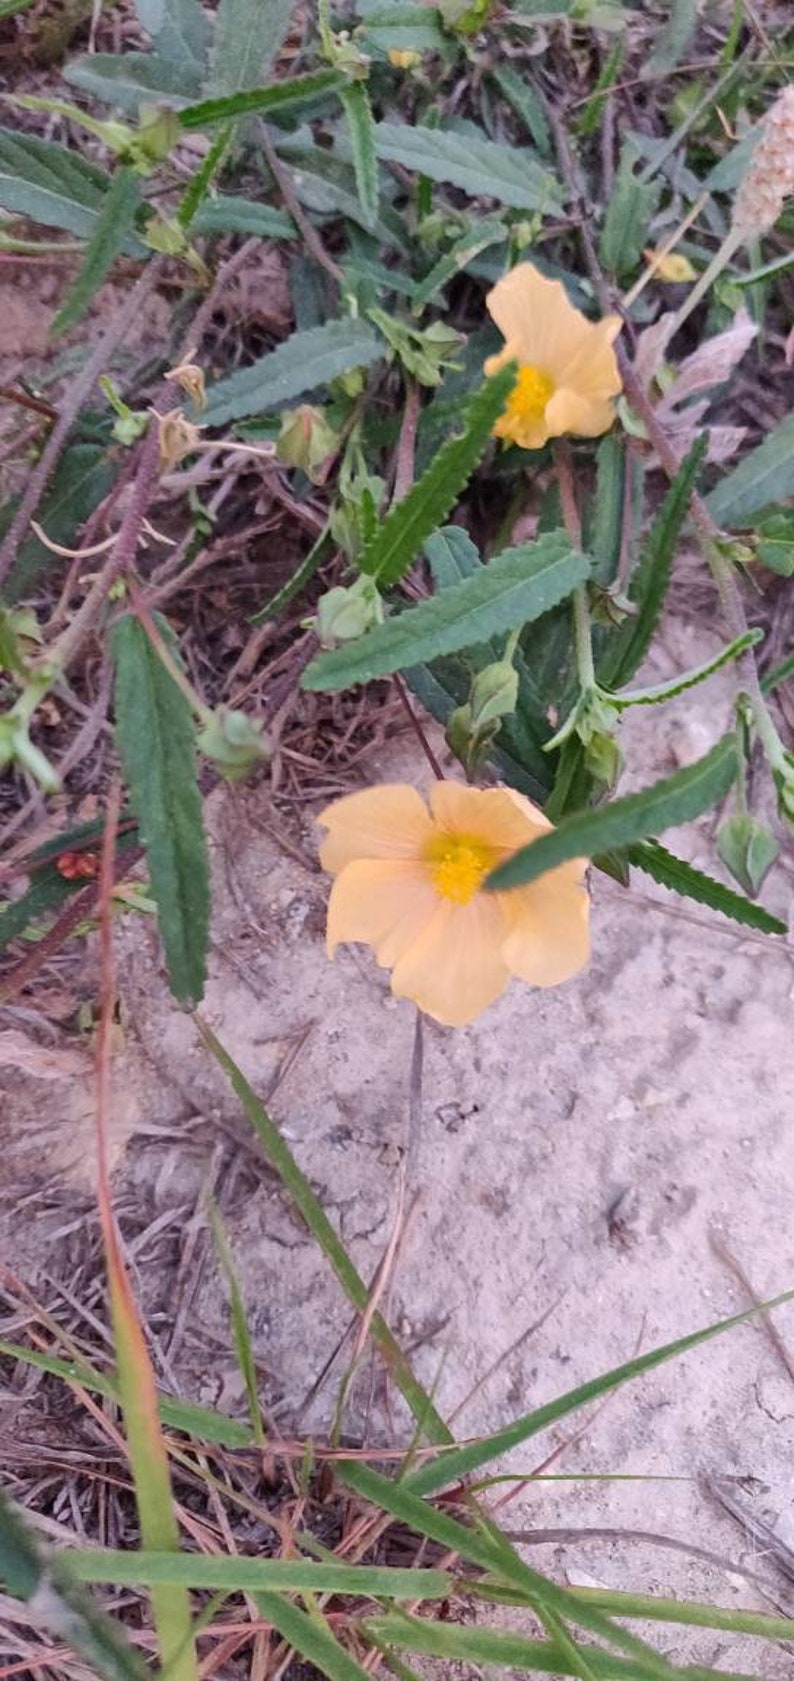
(747,849)
(494,693)
(344,614)
(234,742)
(306,441)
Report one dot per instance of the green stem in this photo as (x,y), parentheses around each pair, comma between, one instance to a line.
(581,605)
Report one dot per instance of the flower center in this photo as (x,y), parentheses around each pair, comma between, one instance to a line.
(459,865)
(530,394)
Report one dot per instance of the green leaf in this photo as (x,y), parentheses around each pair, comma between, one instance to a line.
(226,214)
(310,1635)
(677,799)
(325,184)
(361,127)
(604,525)
(29,1572)
(409,524)
(521,97)
(458,1462)
(201,181)
(302,363)
(630,208)
(79,483)
(278,96)
(47,892)
(516,586)
(246,1361)
(156,741)
(470,245)
(114,222)
(674,39)
(48,184)
(688,679)
(129,80)
(148,1568)
(180,30)
(392,25)
(765,475)
(248,35)
(480,167)
(775,541)
(683,878)
(627,646)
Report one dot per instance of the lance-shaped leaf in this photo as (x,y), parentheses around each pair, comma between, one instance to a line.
(302,363)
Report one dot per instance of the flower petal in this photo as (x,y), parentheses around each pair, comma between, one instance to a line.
(537,316)
(383,903)
(592,368)
(499,816)
(454,969)
(548,922)
(386,822)
(585,417)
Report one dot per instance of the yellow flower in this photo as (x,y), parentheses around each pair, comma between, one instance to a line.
(408,883)
(567,370)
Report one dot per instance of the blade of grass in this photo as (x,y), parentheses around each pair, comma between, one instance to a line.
(137,1389)
(295,1182)
(242,1340)
(148,1568)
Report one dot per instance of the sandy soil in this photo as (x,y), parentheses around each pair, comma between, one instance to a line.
(579,1150)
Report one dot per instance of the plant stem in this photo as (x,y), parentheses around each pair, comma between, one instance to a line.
(581,605)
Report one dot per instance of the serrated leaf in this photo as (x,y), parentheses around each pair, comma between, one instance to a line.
(765,475)
(128,80)
(521,97)
(361,128)
(683,878)
(392,25)
(226,214)
(657,693)
(248,35)
(627,646)
(47,184)
(630,208)
(157,745)
(408,525)
(180,31)
(325,184)
(79,483)
(114,222)
(481,168)
(676,799)
(516,586)
(278,96)
(452,556)
(302,363)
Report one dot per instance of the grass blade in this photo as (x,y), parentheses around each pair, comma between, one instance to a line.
(148,1568)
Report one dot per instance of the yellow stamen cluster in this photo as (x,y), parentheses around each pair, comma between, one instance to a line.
(528,399)
(459,865)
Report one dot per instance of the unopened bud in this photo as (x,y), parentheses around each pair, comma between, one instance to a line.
(494,693)
(190,379)
(345,614)
(306,441)
(178,437)
(234,742)
(747,849)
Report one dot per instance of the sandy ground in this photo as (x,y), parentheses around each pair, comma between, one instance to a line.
(579,1150)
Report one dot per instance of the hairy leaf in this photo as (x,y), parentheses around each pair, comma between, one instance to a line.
(180,31)
(676,799)
(302,363)
(113,224)
(156,740)
(629,210)
(765,475)
(514,587)
(479,167)
(408,525)
(248,35)
(361,127)
(627,646)
(129,80)
(279,96)
(226,214)
(659,692)
(691,883)
(48,184)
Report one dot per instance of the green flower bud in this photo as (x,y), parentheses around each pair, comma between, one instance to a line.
(494,693)
(306,441)
(234,742)
(747,849)
(344,614)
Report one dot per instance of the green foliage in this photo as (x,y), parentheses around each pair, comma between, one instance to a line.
(683,878)
(304,362)
(631,206)
(515,587)
(279,96)
(180,31)
(766,475)
(248,35)
(111,229)
(128,80)
(223,214)
(408,525)
(361,128)
(47,184)
(676,799)
(79,483)
(480,167)
(156,742)
(627,646)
